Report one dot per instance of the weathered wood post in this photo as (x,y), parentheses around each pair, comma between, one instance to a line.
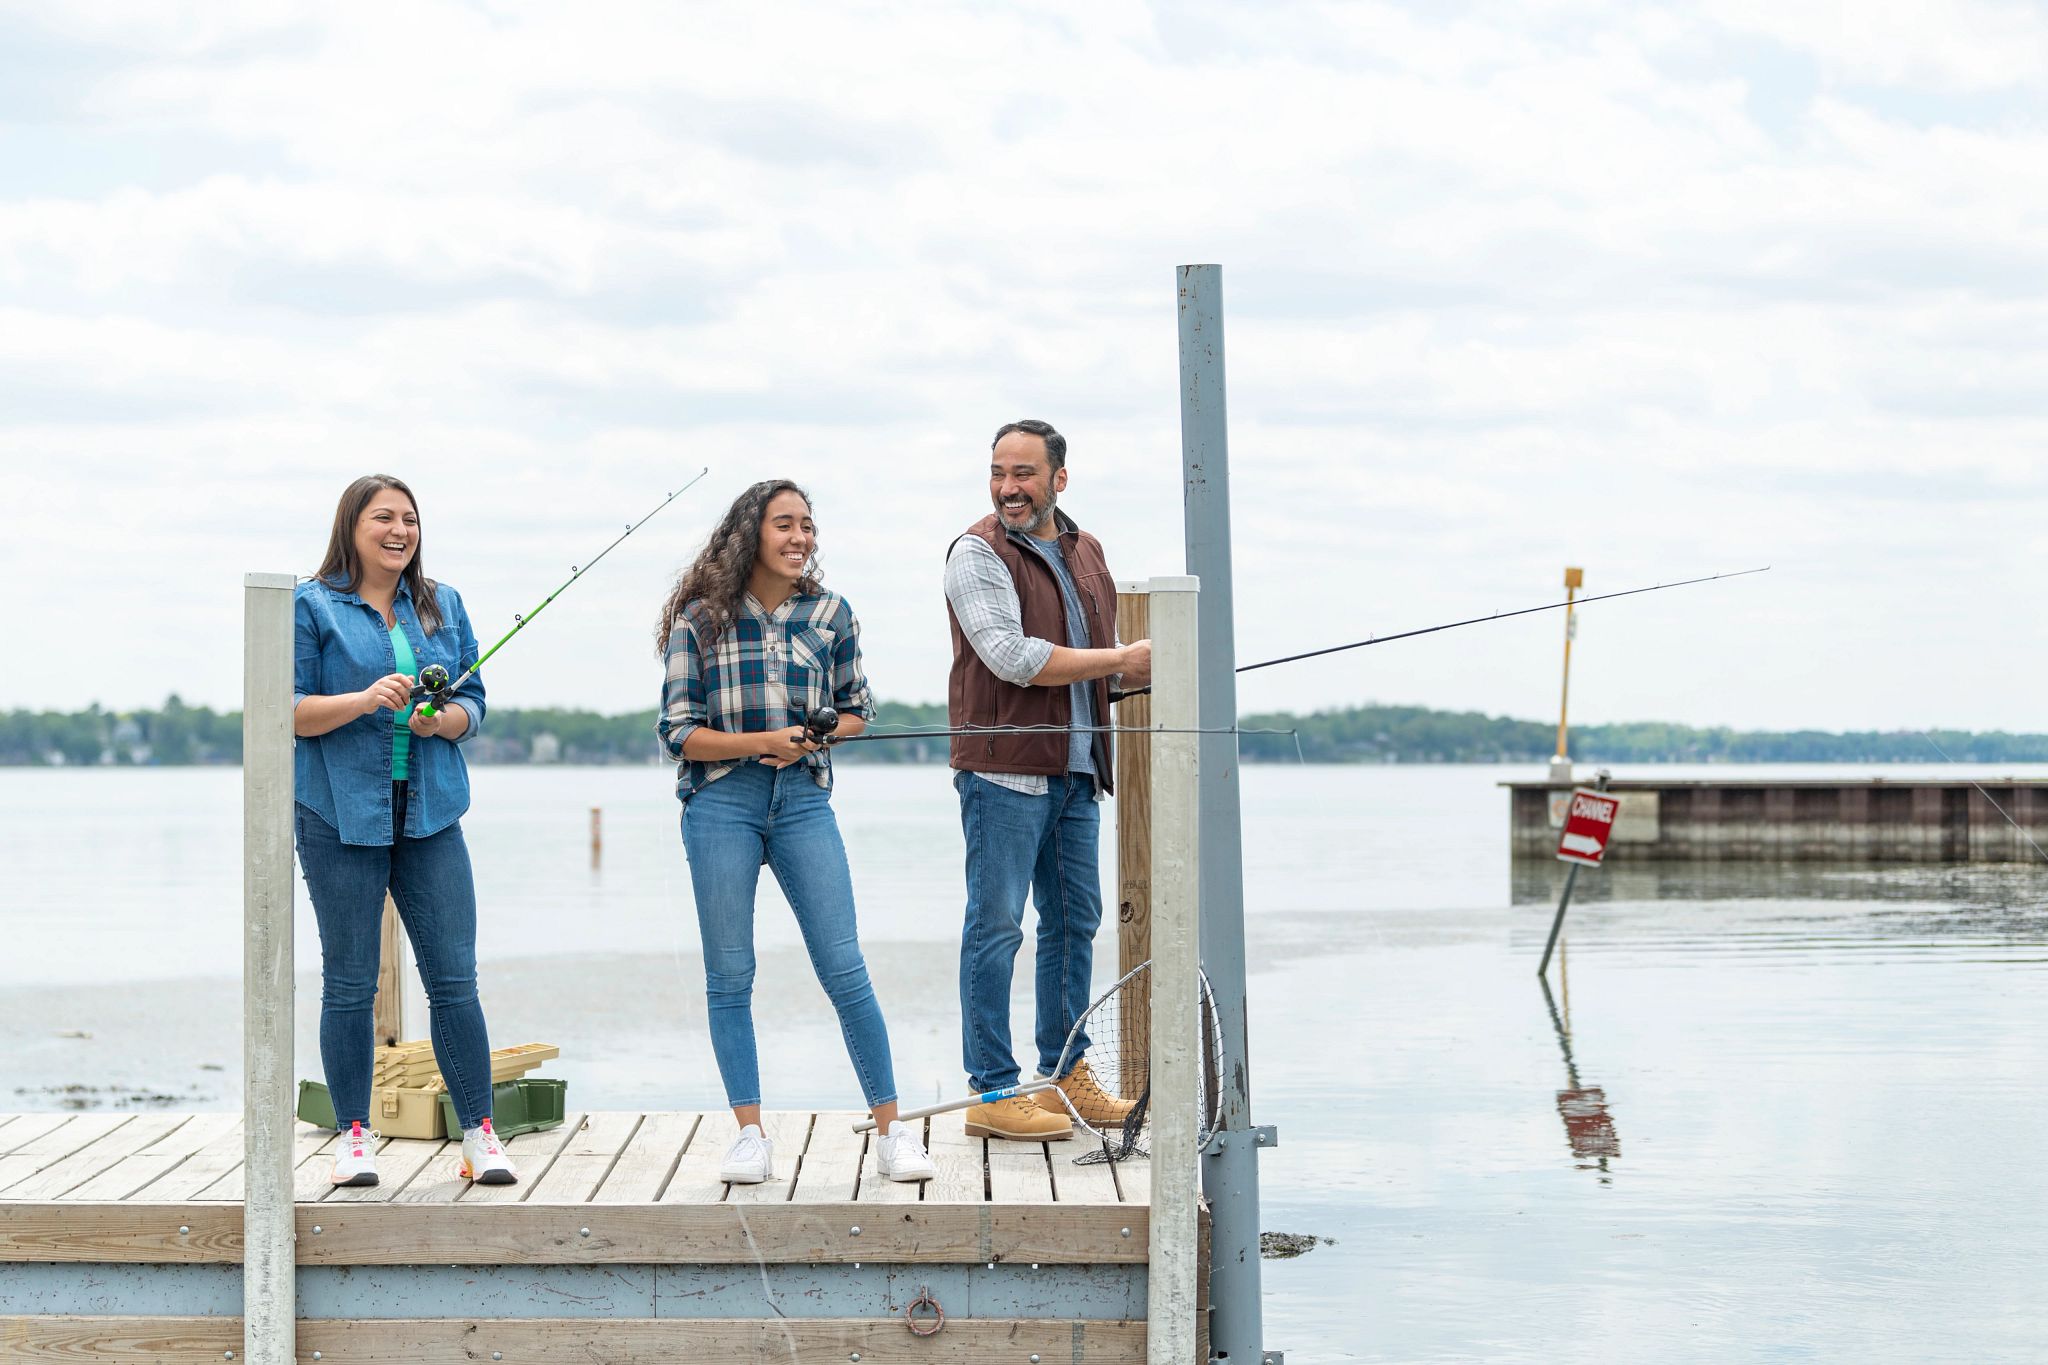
(268,1286)
(390,1012)
(1171,1288)
(1134,831)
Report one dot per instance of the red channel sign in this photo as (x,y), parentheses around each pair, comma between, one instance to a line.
(1588,823)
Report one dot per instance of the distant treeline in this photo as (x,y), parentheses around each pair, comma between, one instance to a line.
(177,734)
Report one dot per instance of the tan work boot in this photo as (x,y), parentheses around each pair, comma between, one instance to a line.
(1094,1104)
(1018,1119)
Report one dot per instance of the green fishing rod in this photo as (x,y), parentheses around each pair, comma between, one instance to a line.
(434,686)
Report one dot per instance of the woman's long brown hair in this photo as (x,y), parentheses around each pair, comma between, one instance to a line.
(342,570)
(717,578)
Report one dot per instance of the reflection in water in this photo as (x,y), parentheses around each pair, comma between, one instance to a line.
(1588,1127)
(2015,886)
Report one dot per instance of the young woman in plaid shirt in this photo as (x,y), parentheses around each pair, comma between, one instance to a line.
(753,642)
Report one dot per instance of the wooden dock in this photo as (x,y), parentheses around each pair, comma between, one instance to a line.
(121,1238)
(1866,820)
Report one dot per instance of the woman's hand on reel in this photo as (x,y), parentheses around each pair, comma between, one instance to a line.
(392,692)
(780,748)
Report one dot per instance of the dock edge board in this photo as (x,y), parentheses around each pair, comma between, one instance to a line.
(620,1341)
(580,1234)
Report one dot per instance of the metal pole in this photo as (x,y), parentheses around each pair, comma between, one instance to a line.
(1571,879)
(1230,1172)
(1170,1278)
(268,1287)
(1573,580)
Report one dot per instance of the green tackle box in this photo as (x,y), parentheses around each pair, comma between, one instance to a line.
(525,1105)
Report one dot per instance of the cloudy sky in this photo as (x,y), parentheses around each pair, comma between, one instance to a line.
(1659,291)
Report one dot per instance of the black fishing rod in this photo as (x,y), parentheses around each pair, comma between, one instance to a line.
(434,686)
(1472,621)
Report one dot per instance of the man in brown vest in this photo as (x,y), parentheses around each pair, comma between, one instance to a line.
(1033,612)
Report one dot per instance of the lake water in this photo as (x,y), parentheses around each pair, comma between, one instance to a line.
(1770,1113)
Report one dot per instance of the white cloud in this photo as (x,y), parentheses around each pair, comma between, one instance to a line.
(1506,289)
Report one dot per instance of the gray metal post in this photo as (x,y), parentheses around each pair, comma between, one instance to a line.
(1230,1171)
(1571,879)
(268,1286)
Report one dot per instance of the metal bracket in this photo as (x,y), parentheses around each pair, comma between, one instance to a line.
(1272,1358)
(1266,1135)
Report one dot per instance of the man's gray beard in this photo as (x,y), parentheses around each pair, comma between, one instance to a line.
(1039,523)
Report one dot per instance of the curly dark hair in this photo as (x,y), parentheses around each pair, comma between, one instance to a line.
(717,578)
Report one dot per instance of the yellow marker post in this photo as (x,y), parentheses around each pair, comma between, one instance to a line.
(1574,579)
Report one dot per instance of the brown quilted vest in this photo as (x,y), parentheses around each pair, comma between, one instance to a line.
(976,696)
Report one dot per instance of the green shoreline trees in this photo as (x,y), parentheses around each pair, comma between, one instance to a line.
(177,734)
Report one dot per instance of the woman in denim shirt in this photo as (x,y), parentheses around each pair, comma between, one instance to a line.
(380,790)
(752,644)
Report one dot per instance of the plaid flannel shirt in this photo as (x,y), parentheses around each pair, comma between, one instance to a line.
(765,671)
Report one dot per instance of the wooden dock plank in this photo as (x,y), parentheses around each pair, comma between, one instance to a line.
(1076,1184)
(961,1162)
(205,1165)
(832,1160)
(307,1142)
(134,1173)
(403,1164)
(53,1180)
(1134,1181)
(876,1188)
(29,1128)
(621,1341)
(310,1178)
(554,1234)
(592,1150)
(644,1167)
(791,1132)
(534,1154)
(58,1144)
(695,1180)
(1017,1171)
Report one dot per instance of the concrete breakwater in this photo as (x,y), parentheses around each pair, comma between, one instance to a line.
(1915,820)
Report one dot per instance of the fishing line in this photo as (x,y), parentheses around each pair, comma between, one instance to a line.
(821,722)
(1477,620)
(434,687)
(2024,834)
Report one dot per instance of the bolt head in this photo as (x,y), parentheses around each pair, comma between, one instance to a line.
(1125,1232)
(184,1229)
(583,1232)
(316,1229)
(854,1231)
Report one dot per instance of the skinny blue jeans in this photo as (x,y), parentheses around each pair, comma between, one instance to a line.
(781,817)
(431,882)
(1046,846)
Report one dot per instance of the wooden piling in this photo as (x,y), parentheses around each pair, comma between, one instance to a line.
(1171,1283)
(269,1291)
(390,1012)
(1134,833)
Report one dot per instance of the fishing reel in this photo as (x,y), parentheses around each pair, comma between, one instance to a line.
(819,723)
(431,691)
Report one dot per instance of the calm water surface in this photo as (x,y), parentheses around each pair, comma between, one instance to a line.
(1769,1113)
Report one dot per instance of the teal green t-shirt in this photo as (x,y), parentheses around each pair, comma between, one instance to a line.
(401,738)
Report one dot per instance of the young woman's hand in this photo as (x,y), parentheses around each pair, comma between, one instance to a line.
(780,748)
(392,692)
(425,725)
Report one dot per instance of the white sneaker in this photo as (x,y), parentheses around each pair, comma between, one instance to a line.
(750,1160)
(900,1156)
(355,1160)
(483,1157)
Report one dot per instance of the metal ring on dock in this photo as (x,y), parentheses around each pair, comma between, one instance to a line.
(924,1327)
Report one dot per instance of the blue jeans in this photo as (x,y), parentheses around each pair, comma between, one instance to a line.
(430,881)
(754,815)
(1044,845)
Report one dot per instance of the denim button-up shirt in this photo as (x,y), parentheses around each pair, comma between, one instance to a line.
(344,776)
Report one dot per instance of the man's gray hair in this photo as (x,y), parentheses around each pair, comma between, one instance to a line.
(1055,444)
